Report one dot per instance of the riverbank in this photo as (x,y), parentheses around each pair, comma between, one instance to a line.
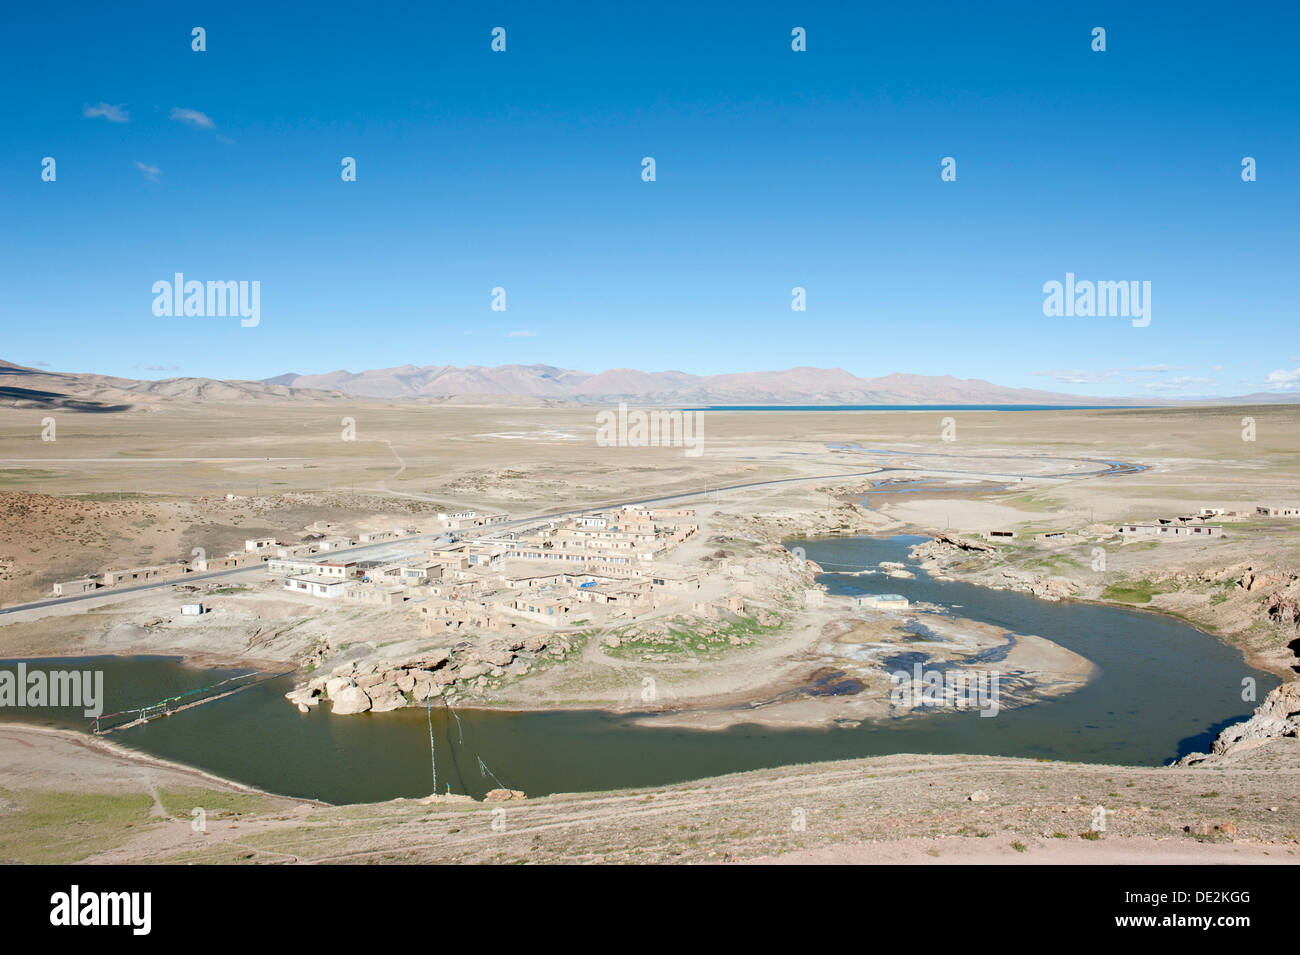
(66,799)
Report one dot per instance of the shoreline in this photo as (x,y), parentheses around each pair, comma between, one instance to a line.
(1252,657)
(91,742)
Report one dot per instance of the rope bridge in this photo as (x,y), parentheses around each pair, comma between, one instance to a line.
(174,704)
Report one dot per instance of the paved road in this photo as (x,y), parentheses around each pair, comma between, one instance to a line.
(1106,468)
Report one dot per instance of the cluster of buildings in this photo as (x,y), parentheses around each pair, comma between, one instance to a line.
(256,549)
(550,574)
(140,575)
(1197,525)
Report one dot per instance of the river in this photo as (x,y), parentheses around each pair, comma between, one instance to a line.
(1163,689)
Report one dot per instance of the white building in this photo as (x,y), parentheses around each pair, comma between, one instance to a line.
(1163,528)
(882,601)
(317,586)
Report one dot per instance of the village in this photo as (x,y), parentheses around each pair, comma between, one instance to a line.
(490,595)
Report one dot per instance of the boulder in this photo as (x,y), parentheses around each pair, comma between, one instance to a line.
(425,691)
(337,685)
(504,795)
(351,699)
(434,659)
(304,696)
(386,697)
(498,658)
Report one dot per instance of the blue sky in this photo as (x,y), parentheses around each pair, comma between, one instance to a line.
(775,169)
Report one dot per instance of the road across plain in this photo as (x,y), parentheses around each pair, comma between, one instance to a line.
(1108,468)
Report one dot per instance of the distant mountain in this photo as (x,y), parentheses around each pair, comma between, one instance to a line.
(25,387)
(793,386)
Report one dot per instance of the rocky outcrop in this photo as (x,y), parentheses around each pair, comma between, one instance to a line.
(1283,605)
(377,687)
(1276,717)
(945,539)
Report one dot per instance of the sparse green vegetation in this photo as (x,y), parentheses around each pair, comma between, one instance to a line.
(62,827)
(1131,592)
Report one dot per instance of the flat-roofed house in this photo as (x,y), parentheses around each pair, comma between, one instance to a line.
(882,601)
(134,575)
(294,566)
(344,569)
(439,615)
(318,586)
(548,611)
(1170,529)
(420,573)
(376,595)
(679,581)
(69,588)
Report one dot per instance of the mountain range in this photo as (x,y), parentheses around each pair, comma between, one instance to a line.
(22,386)
(792,386)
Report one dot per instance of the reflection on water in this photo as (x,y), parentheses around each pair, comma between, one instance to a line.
(1163,689)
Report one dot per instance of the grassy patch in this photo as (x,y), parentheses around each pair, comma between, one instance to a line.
(215,803)
(1131,592)
(43,827)
(23,475)
(684,637)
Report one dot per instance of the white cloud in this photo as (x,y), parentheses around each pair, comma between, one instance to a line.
(152,173)
(1181,383)
(522,334)
(193,117)
(114,114)
(1283,379)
